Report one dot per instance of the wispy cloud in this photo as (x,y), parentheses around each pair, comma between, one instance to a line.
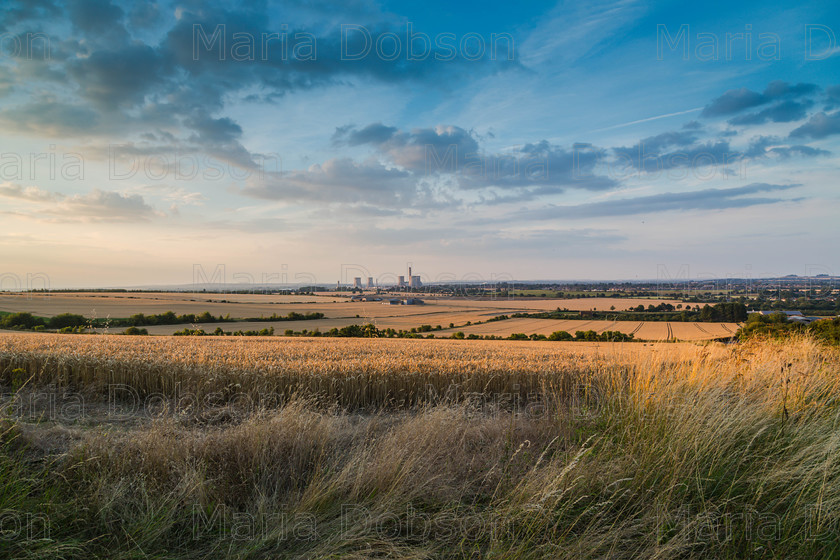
(707,199)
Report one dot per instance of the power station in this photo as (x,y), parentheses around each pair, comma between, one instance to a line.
(410,281)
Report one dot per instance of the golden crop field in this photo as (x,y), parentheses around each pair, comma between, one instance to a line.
(360,372)
(554,450)
(357,371)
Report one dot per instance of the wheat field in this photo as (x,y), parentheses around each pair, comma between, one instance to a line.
(356,372)
(397,448)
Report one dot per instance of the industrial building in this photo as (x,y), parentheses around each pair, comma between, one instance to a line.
(407,301)
(792,316)
(411,281)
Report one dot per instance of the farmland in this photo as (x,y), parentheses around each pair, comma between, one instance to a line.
(660,330)
(118,447)
(360,372)
(466,315)
(255,305)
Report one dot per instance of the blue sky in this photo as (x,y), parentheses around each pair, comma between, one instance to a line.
(134,147)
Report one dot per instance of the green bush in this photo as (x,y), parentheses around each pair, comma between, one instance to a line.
(20,321)
(560,335)
(66,320)
(777,326)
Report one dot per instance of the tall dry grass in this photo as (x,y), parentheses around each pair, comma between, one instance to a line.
(631,451)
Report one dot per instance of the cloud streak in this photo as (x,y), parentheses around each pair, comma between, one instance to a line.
(704,200)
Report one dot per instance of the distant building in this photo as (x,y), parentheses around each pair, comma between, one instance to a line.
(793,316)
(788,313)
(401,281)
(370,282)
(406,301)
(414,282)
(357,282)
(806,320)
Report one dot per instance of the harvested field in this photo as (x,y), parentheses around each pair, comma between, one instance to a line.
(578,304)
(120,305)
(647,330)
(398,322)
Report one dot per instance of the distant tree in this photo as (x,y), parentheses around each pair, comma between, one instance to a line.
(560,335)
(21,321)
(66,320)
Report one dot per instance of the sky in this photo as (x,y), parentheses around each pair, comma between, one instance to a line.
(148,143)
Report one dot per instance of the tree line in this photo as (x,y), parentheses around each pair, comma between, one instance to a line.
(74,323)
